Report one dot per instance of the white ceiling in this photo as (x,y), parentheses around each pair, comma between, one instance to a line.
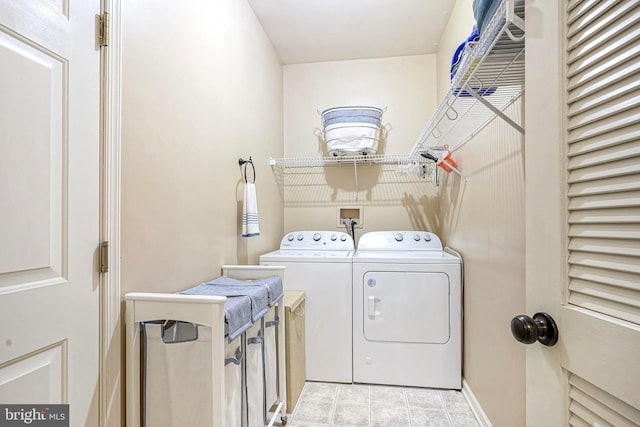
(332,30)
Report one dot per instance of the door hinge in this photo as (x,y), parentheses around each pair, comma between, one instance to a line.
(103,37)
(103,252)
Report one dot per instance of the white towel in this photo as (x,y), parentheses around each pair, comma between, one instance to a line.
(250,226)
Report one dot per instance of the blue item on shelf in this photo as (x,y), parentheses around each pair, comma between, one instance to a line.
(482,91)
(458,54)
(482,10)
(457,60)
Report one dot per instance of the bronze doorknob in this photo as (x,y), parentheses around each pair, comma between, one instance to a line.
(541,328)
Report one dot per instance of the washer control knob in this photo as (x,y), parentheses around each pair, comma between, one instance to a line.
(343,238)
(416,237)
(300,237)
(290,237)
(398,237)
(427,238)
(334,237)
(316,237)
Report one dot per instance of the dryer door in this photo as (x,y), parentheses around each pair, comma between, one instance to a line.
(410,307)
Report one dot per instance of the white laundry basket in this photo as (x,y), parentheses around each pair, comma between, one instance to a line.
(174,371)
(352,130)
(191,374)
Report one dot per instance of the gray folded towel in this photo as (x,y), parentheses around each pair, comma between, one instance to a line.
(246,302)
(227,287)
(238,314)
(273,285)
(237,308)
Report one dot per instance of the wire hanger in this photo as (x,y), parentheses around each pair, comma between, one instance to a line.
(241,162)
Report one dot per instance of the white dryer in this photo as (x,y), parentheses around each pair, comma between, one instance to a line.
(319,263)
(407,311)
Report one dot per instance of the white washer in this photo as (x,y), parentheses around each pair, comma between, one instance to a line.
(319,263)
(407,317)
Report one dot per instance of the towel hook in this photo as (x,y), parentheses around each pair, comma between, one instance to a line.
(241,162)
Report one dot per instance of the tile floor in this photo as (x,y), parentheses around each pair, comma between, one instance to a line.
(360,405)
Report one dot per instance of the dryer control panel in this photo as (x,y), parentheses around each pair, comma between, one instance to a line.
(325,240)
(399,240)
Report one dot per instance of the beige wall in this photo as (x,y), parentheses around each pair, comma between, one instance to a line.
(202,86)
(405,86)
(484,220)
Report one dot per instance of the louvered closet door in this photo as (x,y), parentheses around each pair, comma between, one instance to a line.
(594,290)
(601,320)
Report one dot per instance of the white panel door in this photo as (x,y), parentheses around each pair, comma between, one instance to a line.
(49,200)
(583,210)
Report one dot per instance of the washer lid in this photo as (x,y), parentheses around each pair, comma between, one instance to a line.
(306,255)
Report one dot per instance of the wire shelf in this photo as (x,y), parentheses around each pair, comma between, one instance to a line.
(404,164)
(379,159)
(489,78)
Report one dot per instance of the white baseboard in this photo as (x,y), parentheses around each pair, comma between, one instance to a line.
(477,410)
